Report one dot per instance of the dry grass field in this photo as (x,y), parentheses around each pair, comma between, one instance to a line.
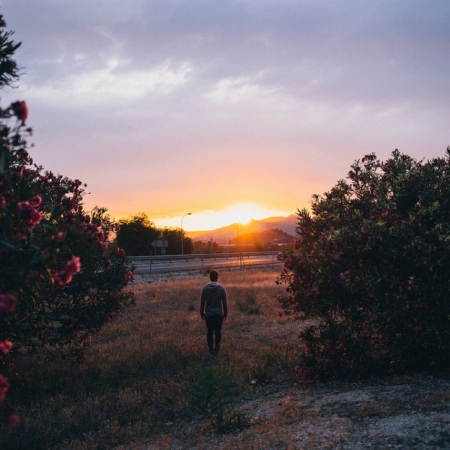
(148,382)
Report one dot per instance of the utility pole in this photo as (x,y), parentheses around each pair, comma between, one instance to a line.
(187,214)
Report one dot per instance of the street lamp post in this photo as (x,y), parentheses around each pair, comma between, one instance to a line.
(187,214)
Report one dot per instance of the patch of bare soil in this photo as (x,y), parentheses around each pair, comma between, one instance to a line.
(401,413)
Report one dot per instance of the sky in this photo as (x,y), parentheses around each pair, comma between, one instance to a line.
(227,109)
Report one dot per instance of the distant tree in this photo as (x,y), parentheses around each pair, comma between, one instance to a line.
(201,247)
(371,263)
(136,234)
(173,236)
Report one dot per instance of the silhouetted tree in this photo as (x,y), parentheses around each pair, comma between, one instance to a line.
(173,235)
(136,234)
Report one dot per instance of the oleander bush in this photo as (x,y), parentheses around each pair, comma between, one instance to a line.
(60,278)
(371,265)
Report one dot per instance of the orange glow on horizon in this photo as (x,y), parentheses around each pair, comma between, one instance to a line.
(241,213)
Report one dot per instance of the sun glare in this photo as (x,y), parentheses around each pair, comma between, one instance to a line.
(241,213)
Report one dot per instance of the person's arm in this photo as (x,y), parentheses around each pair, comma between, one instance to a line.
(224,304)
(202,304)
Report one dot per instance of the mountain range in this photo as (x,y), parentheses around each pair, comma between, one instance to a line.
(225,234)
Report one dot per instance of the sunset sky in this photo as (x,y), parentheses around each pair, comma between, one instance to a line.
(227,109)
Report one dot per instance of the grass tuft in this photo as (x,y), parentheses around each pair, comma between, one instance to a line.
(248,303)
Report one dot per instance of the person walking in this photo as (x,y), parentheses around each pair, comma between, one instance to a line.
(214,309)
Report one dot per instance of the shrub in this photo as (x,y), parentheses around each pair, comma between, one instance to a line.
(371,264)
(213,394)
(60,280)
(68,279)
(24,217)
(62,298)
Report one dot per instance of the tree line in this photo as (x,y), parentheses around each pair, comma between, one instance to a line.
(138,235)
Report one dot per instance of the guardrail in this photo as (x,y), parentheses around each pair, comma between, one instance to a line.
(192,256)
(167,263)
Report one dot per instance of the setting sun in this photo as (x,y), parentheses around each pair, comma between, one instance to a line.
(241,213)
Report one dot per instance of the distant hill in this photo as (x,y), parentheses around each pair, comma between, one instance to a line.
(226,234)
(273,236)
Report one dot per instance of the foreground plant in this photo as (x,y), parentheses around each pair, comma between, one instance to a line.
(371,263)
(60,279)
(213,395)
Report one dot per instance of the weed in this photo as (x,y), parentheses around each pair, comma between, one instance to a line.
(248,304)
(213,393)
(267,364)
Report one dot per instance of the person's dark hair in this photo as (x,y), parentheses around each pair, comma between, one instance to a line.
(213,275)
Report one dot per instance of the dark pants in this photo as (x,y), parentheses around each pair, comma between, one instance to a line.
(214,327)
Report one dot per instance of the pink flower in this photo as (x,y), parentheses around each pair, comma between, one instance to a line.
(12,66)
(289,263)
(129,277)
(11,420)
(73,264)
(36,201)
(280,256)
(20,110)
(4,386)
(342,276)
(385,214)
(5,347)
(65,275)
(31,216)
(307,349)
(7,302)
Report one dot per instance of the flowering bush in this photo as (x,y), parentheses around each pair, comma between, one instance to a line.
(60,278)
(371,264)
(8,297)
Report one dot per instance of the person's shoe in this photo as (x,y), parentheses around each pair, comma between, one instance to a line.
(217,350)
(211,352)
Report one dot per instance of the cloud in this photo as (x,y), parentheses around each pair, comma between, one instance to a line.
(233,90)
(113,83)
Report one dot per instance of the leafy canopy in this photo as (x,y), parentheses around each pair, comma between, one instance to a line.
(371,265)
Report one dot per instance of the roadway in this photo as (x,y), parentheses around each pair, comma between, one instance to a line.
(178,263)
